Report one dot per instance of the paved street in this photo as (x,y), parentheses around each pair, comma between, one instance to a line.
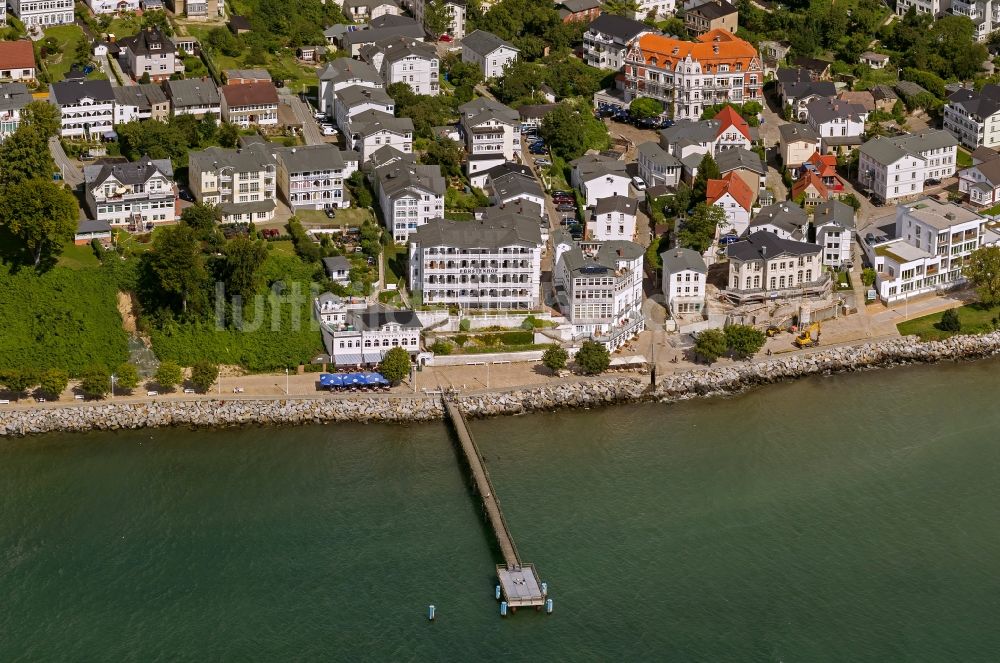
(304,114)
(72,172)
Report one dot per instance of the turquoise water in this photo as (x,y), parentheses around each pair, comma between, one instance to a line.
(852,518)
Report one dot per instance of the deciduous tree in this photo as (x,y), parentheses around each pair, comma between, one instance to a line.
(168,375)
(555,358)
(43,116)
(17,381)
(395,365)
(983,270)
(41,214)
(126,377)
(95,382)
(592,358)
(25,155)
(744,340)
(203,375)
(177,266)
(645,107)
(707,170)
(710,345)
(53,382)
(698,229)
(244,258)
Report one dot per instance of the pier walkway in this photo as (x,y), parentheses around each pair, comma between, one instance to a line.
(519,582)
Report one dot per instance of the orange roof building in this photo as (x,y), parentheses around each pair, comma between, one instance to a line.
(690,75)
(735,198)
(810,186)
(728,119)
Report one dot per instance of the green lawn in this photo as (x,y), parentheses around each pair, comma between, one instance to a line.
(964,159)
(351,217)
(284,247)
(974,318)
(68,36)
(992,211)
(298,77)
(78,257)
(395,263)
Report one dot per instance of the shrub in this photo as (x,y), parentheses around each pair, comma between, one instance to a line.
(204,375)
(593,358)
(441,348)
(465,325)
(710,345)
(555,358)
(461,339)
(950,321)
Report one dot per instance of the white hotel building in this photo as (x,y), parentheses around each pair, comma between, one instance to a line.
(896,168)
(492,263)
(43,13)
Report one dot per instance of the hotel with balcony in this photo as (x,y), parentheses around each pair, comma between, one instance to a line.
(687,76)
(974,117)
(492,263)
(137,196)
(242,182)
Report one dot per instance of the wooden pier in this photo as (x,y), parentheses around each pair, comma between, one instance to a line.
(519,583)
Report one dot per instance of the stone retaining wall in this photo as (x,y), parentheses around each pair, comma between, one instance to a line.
(605,390)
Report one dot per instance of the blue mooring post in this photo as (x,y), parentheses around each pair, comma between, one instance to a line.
(497,593)
(430,613)
(503,608)
(548,606)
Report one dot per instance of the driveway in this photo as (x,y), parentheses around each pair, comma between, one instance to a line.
(72,171)
(304,114)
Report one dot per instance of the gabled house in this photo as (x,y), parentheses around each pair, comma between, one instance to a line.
(141,102)
(798,87)
(785,220)
(685,280)
(409,196)
(824,166)
(834,224)
(578,10)
(607,38)
(764,267)
(613,219)
(657,167)
(87,108)
(194,96)
(492,133)
(808,190)
(17,60)
(874,60)
(313,176)
(373,130)
(149,52)
(343,73)
(355,99)
(250,104)
(241,182)
(137,196)
(338,269)
(747,165)
(480,178)
(509,187)
(490,53)
(841,125)
(244,76)
(362,11)
(711,15)
(383,27)
(405,60)
(897,167)
(974,117)
(13,98)
(369,333)
(735,198)
(597,176)
(798,143)
(981,181)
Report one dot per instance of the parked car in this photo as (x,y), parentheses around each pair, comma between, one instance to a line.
(638,183)
(542,162)
(329,131)
(932,180)
(447,38)
(319,116)
(563,201)
(566,208)
(561,192)
(537,150)
(185,194)
(330,212)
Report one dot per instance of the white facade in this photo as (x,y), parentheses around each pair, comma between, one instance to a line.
(896,168)
(492,133)
(405,60)
(43,13)
(495,265)
(657,166)
(490,53)
(599,290)
(343,73)
(312,177)
(613,220)
(354,100)
(737,216)
(409,196)
(981,183)
(243,183)
(974,117)
(113,6)
(371,131)
(684,282)
(945,229)
(456,17)
(599,177)
(136,196)
(87,108)
(365,335)
(764,266)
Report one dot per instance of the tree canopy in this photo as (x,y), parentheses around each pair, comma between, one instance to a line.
(592,358)
(983,270)
(395,365)
(176,269)
(698,230)
(41,214)
(25,155)
(570,131)
(645,107)
(710,345)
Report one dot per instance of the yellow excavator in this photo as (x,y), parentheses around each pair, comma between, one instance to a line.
(809,337)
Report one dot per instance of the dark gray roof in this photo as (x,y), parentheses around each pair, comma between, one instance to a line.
(690,132)
(256,207)
(349,69)
(193,92)
(483,43)
(405,27)
(785,215)
(313,158)
(136,172)
(883,92)
(826,110)
(535,110)
(814,65)
(357,95)
(765,245)
(143,96)
(511,184)
(92,226)
(736,159)
(889,150)
(14,96)
(397,48)
(910,89)
(982,104)
(714,9)
(623,28)
(575,6)
(147,42)
(792,132)
(336,264)
(387,154)
(504,168)
(251,158)
(793,75)
(600,256)
(482,109)
(512,230)
(834,212)
(803,89)
(371,121)
(396,179)
(616,204)
(990,170)
(679,260)
(376,317)
(590,167)
(71,92)
(657,154)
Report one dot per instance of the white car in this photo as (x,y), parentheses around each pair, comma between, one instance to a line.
(329,131)
(319,116)
(638,183)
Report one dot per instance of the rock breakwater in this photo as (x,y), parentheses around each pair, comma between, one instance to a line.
(606,390)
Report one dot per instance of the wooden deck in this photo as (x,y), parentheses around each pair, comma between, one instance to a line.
(519,582)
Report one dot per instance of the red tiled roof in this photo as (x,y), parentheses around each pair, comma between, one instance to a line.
(805,179)
(715,47)
(250,94)
(728,117)
(826,164)
(732,184)
(17,55)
